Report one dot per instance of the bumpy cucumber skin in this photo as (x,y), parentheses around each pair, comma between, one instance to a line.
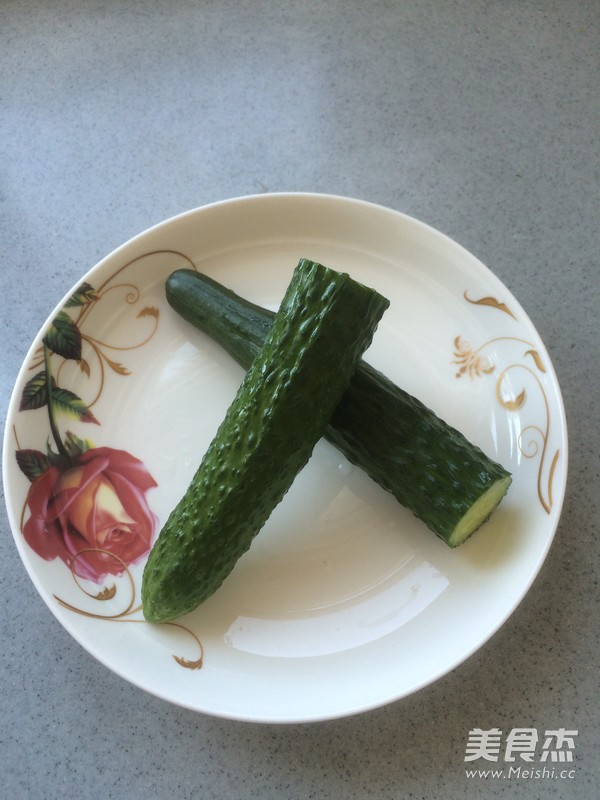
(432,469)
(429,466)
(325,322)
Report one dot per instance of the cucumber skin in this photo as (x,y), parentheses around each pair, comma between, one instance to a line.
(430,467)
(325,322)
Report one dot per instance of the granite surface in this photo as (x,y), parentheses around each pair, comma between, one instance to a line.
(479,117)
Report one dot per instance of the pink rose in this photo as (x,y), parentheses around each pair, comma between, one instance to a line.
(98,505)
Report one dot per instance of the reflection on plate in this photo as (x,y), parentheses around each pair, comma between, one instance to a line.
(344,601)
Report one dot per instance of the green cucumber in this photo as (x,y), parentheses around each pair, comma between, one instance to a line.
(294,383)
(429,466)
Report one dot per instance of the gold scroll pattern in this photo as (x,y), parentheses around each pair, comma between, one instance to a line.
(534,439)
(98,360)
(126,614)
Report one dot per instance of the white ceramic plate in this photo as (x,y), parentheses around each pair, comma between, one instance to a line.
(345,601)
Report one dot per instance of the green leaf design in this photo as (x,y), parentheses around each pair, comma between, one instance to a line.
(83,295)
(73,406)
(32,462)
(63,337)
(76,446)
(35,393)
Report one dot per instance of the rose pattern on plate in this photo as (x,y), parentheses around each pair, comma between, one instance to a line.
(81,496)
(97,504)
(87,505)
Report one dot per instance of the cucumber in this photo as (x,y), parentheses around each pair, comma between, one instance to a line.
(430,467)
(306,361)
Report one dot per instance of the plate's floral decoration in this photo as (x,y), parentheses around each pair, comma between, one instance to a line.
(81,497)
(534,439)
(87,505)
(93,499)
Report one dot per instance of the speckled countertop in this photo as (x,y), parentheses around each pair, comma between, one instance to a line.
(481,119)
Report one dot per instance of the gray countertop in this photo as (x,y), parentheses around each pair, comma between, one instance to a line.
(480,118)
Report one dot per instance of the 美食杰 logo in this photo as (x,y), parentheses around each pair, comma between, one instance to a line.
(521,753)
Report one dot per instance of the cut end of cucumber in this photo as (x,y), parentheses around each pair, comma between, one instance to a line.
(479,512)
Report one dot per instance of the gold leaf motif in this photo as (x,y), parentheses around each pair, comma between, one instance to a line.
(490,301)
(536,357)
(512,405)
(107,593)
(551,477)
(149,311)
(116,366)
(469,361)
(84,366)
(187,664)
